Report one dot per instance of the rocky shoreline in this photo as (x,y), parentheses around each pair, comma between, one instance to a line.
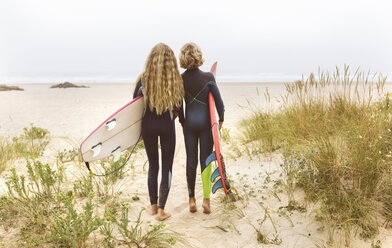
(68,85)
(4,87)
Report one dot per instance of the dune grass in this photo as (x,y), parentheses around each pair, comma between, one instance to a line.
(7,154)
(46,210)
(334,132)
(32,143)
(29,145)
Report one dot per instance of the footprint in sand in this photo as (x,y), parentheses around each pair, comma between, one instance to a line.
(181,208)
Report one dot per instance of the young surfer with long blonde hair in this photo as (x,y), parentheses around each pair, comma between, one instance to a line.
(163,90)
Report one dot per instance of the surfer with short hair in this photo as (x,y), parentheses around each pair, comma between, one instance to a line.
(163,90)
(196,124)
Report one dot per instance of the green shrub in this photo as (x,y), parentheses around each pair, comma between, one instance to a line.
(69,155)
(156,236)
(70,228)
(46,212)
(32,142)
(83,187)
(32,200)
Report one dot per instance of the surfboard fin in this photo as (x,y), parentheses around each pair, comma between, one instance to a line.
(210,158)
(215,174)
(217,185)
(111,124)
(116,153)
(96,149)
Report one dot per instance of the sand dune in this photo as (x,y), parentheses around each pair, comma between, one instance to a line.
(72,114)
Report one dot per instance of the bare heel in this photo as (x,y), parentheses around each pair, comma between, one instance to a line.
(206,206)
(154,209)
(192,205)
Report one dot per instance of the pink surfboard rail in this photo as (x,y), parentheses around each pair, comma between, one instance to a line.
(102,124)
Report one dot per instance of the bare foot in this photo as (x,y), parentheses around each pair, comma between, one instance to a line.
(154,209)
(206,206)
(192,205)
(162,215)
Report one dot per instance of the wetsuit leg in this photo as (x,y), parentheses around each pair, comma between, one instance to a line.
(151,145)
(205,151)
(168,143)
(191,141)
(205,146)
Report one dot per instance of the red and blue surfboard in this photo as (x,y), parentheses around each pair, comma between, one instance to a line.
(216,155)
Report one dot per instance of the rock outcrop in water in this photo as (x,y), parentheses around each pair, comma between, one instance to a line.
(68,85)
(4,87)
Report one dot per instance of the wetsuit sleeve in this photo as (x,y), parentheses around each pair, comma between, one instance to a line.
(218,100)
(181,116)
(136,91)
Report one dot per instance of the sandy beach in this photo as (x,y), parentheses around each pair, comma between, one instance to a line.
(71,114)
(74,112)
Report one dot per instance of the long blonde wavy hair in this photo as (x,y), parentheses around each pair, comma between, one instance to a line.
(162,83)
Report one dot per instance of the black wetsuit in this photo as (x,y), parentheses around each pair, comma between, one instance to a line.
(197,124)
(162,126)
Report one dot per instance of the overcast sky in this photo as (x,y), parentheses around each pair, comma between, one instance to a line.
(96,41)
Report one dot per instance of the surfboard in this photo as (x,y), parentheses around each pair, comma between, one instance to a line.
(216,155)
(118,132)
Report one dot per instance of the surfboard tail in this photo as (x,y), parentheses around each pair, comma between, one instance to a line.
(96,149)
(219,185)
(226,182)
(111,124)
(116,153)
(220,174)
(88,167)
(215,175)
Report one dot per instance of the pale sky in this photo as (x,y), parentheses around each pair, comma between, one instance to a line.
(108,41)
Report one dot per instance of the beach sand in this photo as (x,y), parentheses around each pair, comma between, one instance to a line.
(71,114)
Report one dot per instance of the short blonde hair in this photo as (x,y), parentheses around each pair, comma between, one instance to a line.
(191,56)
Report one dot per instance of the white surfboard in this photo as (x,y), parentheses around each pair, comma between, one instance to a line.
(117,133)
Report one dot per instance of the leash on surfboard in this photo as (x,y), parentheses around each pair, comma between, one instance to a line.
(118,168)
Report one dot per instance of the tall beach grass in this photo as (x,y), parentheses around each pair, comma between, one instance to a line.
(28,145)
(334,132)
(7,154)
